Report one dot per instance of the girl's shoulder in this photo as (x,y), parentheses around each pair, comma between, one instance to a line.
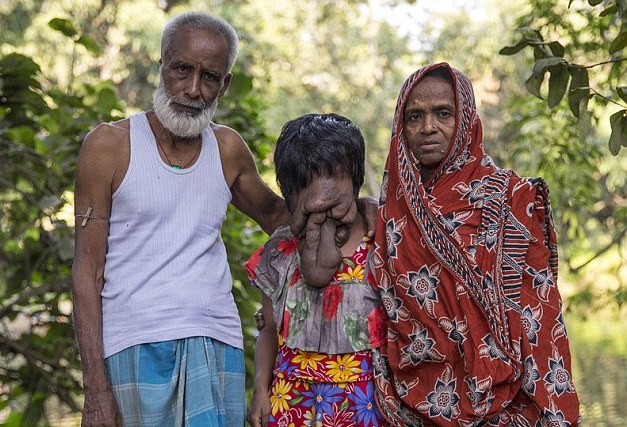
(269,265)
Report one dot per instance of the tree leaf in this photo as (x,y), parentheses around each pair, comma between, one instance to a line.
(622,92)
(558,81)
(539,52)
(611,9)
(619,43)
(14,419)
(618,122)
(584,121)
(90,44)
(49,202)
(22,134)
(531,34)
(64,26)
(66,248)
(542,64)
(16,64)
(511,50)
(594,2)
(106,100)
(533,84)
(240,85)
(557,49)
(579,88)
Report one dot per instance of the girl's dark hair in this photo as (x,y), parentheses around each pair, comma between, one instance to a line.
(318,144)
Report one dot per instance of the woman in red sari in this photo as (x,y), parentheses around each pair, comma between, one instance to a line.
(466,264)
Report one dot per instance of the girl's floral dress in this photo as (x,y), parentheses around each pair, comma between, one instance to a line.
(323,373)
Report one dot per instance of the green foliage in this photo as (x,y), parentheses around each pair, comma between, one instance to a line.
(539,135)
(240,109)
(557,135)
(618,137)
(38,147)
(66,28)
(40,134)
(312,56)
(79,60)
(597,46)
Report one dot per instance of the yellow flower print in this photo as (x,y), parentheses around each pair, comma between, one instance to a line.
(344,369)
(312,419)
(351,273)
(306,358)
(280,396)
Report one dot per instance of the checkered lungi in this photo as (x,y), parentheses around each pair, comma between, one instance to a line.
(191,382)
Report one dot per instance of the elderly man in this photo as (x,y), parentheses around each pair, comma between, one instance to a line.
(159,333)
(466,262)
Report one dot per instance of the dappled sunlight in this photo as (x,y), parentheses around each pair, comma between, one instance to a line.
(300,57)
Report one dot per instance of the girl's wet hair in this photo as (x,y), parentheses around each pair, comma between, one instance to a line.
(318,145)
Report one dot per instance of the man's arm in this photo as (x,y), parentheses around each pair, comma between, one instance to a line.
(98,172)
(253,197)
(250,194)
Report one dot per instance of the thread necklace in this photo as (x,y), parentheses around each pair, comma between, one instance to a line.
(174,166)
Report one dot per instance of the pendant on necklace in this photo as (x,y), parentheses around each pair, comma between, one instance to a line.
(176,167)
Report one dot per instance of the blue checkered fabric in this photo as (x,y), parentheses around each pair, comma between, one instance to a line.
(189,382)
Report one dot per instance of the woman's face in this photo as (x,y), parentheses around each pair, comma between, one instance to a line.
(429,122)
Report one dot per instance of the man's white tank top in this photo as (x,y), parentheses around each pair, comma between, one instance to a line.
(166,274)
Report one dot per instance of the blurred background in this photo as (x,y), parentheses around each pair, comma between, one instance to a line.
(549,77)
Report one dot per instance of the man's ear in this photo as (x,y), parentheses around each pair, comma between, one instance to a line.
(225,84)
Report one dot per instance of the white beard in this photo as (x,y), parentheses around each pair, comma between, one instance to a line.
(183,125)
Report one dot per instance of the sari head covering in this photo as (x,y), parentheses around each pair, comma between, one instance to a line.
(466,264)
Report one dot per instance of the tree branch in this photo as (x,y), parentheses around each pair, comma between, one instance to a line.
(23,298)
(605,62)
(614,241)
(607,99)
(34,359)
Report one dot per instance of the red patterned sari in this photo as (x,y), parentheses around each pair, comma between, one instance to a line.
(466,264)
